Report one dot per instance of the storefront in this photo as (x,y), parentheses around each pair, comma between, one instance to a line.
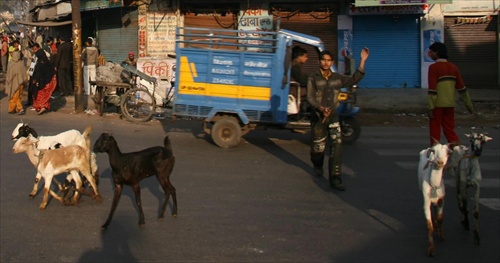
(117,33)
(315,19)
(392,33)
(471,35)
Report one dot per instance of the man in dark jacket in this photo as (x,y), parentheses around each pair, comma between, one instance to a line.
(323,88)
(64,66)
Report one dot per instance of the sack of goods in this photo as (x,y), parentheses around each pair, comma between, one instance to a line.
(292,105)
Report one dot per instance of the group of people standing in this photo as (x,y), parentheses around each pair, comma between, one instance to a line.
(35,72)
(50,67)
(323,86)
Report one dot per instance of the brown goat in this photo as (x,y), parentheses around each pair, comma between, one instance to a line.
(131,168)
(49,163)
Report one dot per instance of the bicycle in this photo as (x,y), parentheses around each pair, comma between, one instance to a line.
(139,103)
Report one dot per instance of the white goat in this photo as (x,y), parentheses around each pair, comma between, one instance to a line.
(430,182)
(465,163)
(70,137)
(49,163)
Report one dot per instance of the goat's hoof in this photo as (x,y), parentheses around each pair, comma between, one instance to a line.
(174,215)
(31,196)
(476,238)
(465,224)
(42,207)
(430,252)
(105,226)
(98,198)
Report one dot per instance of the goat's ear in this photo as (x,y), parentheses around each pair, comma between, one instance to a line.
(32,131)
(468,135)
(32,139)
(435,141)
(429,151)
(451,147)
(486,138)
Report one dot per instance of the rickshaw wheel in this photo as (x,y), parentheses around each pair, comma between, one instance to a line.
(226,132)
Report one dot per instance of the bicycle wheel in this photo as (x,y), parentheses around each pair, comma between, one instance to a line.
(138,105)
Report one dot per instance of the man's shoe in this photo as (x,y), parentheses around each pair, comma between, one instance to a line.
(318,171)
(21,112)
(336,183)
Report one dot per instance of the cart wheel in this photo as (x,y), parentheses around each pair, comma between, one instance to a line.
(138,110)
(226,132)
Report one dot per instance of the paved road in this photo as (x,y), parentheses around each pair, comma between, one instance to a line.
(256,202)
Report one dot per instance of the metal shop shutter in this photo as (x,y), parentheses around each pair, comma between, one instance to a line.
(118,33)
(210,21)
(474,49)
(394,43)
(325,29)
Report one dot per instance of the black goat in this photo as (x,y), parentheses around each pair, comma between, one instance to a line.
(131,168)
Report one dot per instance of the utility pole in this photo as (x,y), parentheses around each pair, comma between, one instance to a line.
(77,54)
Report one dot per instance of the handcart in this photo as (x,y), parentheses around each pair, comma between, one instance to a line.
(137,102)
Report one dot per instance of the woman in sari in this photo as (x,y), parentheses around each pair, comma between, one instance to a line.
(43,81)
(15,78)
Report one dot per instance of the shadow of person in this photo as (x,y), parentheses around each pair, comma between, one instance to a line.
(271,147)
(57,103)
(115,245)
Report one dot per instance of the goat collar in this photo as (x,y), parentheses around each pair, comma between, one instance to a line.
(40,157)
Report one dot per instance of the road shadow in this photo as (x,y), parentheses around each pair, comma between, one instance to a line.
(172,124)
(268,145)
(115,247)
(148,184)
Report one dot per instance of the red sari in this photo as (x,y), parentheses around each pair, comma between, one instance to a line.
(43,81)
(42,99)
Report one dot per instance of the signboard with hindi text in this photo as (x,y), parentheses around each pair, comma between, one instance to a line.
(161,68)
(399,2)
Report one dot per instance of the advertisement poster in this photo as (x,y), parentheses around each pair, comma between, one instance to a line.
(344,41)
(430,36)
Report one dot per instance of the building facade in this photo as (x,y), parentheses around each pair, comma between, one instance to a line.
(398,33)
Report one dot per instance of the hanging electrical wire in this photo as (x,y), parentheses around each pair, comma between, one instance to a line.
(232,25)
(327,14)
(279,14)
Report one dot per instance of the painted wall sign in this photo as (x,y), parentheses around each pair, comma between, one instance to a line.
(161,68)
(254,20)
(470,6)
(399,2)
(389,10)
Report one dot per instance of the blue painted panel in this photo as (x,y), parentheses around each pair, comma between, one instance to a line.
(394,44)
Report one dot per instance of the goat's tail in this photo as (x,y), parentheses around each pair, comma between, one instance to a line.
(166,144)
(86,136)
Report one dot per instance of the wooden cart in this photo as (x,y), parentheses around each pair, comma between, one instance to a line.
(104,89)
